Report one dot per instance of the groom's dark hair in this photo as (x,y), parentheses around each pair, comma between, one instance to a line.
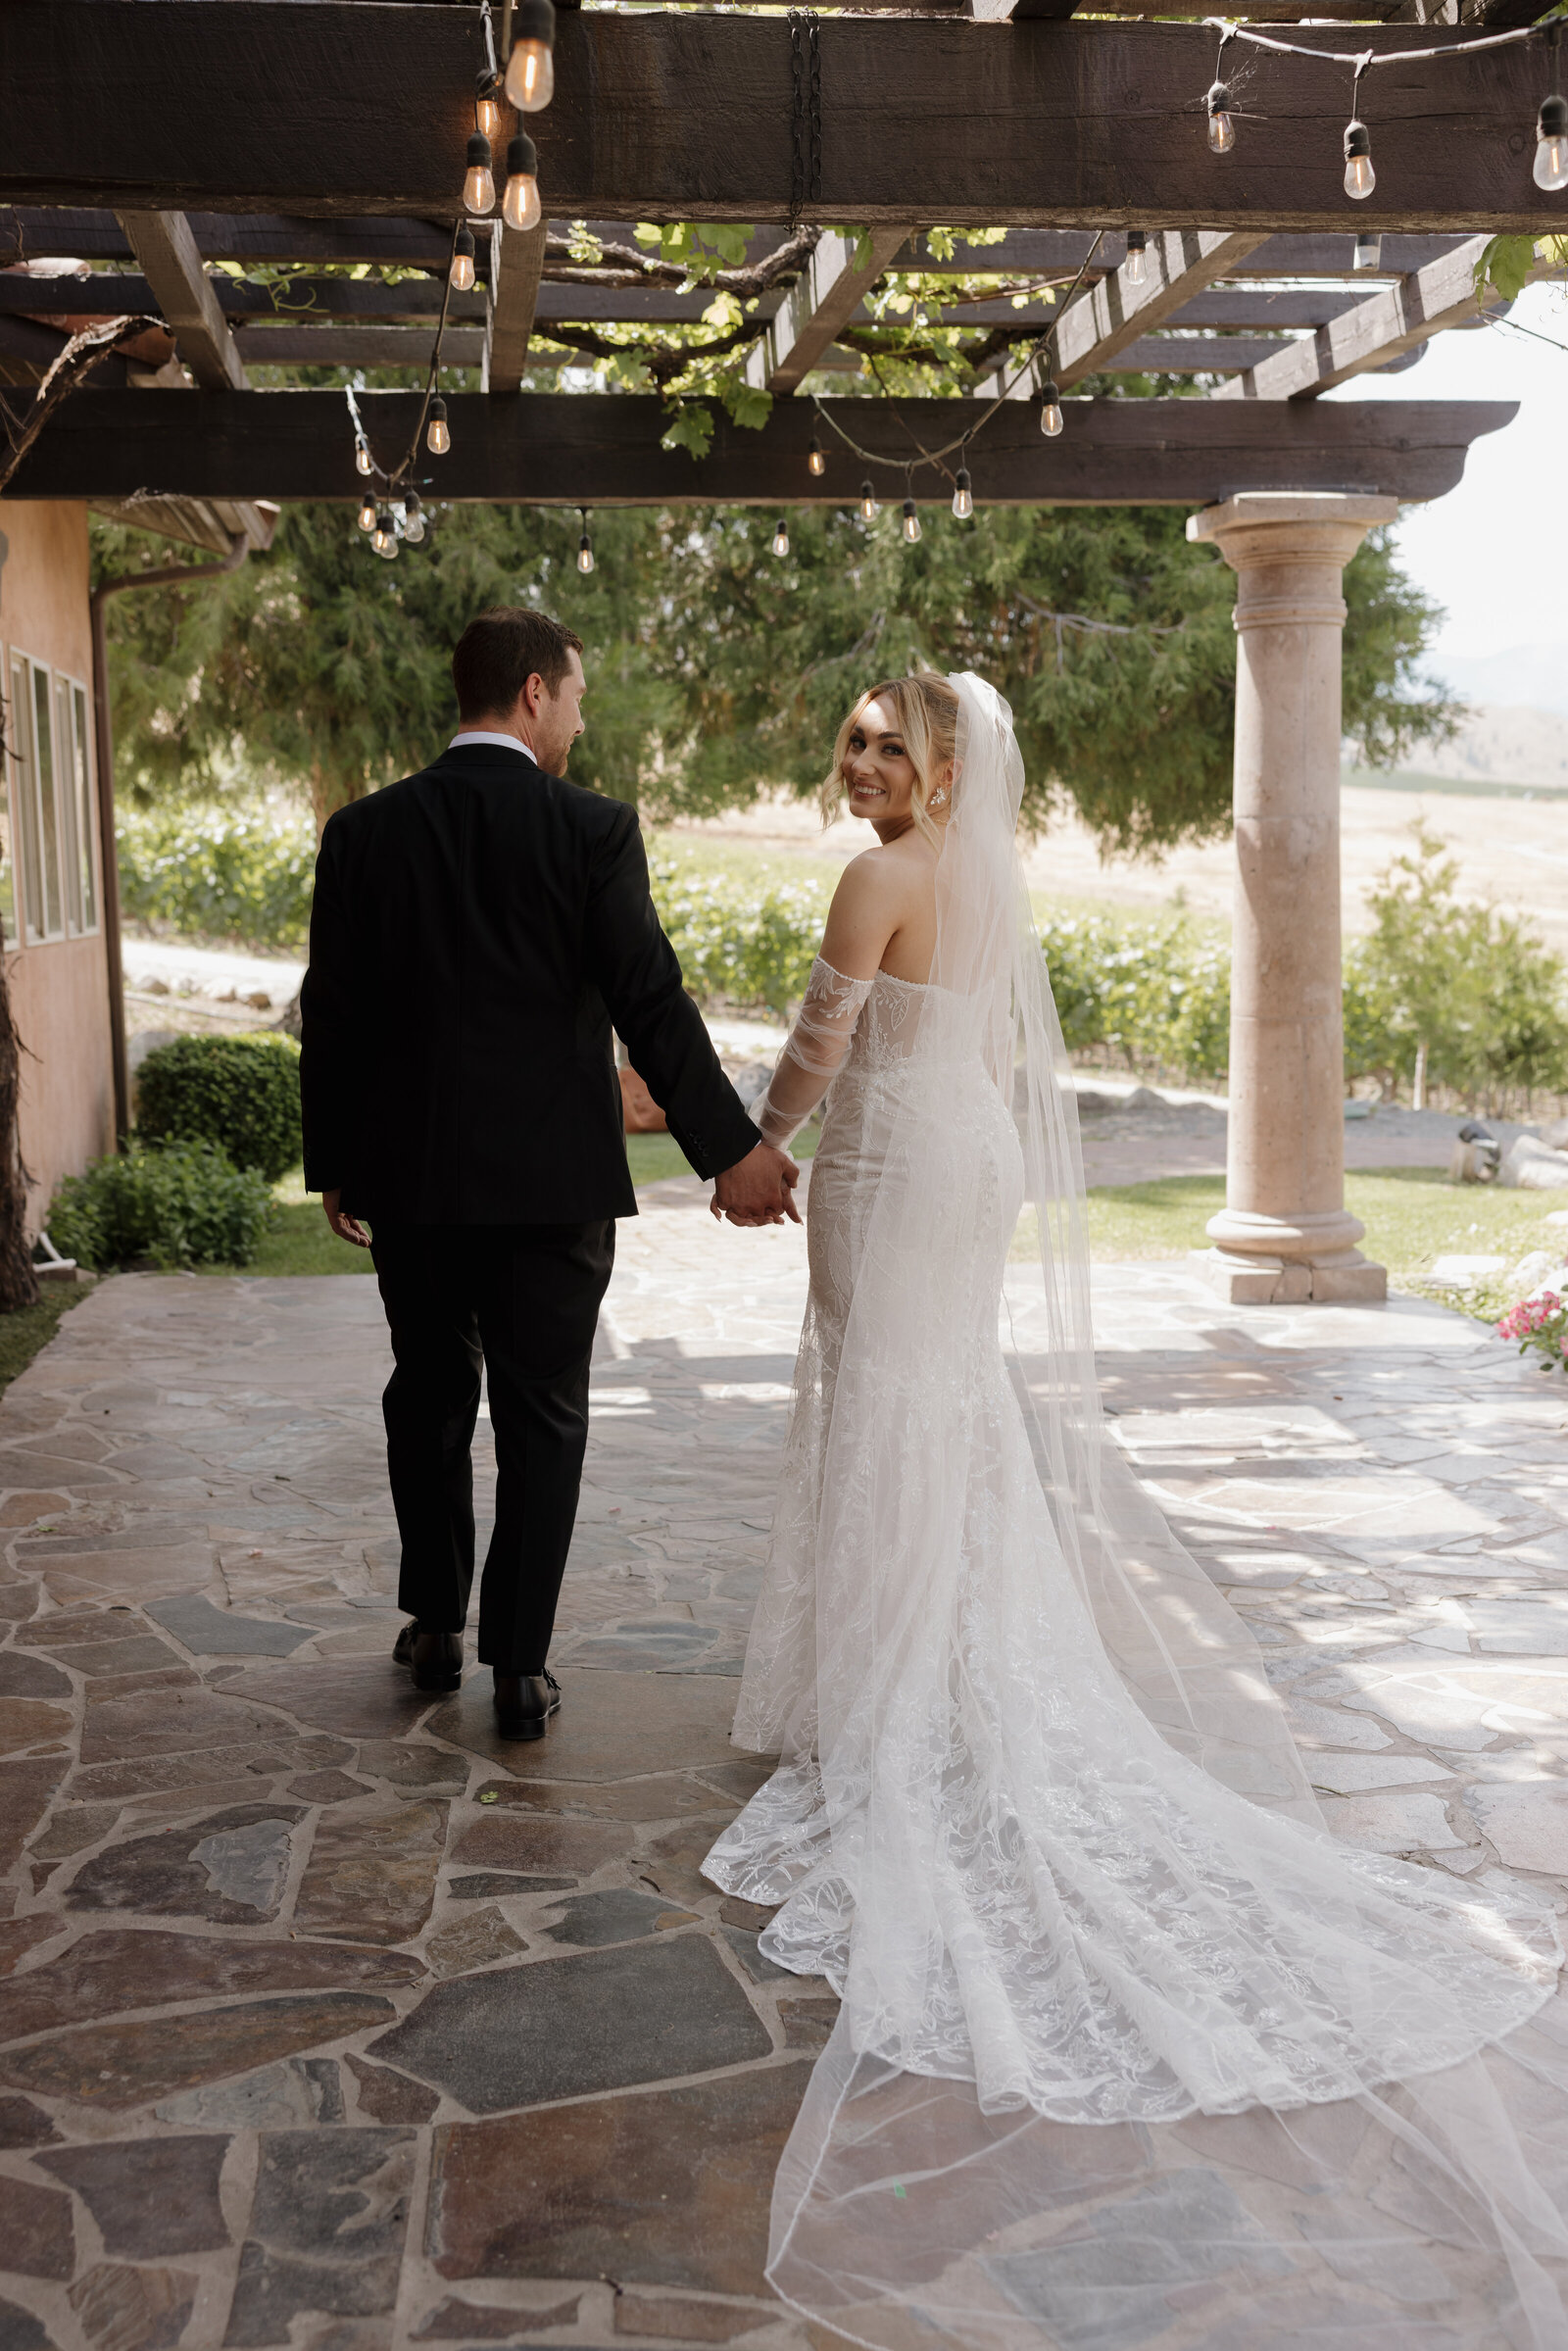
(499,651)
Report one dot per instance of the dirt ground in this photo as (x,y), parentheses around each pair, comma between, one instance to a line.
(1512,850)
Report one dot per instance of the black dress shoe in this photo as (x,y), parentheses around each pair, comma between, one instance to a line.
(524,1703)
(435,1659)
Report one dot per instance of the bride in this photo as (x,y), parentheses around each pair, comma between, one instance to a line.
(1131,2049)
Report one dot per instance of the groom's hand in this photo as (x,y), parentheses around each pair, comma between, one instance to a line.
(346,1228)
(759,1189)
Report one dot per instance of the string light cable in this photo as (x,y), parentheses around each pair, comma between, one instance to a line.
(432,418)
(1551,124)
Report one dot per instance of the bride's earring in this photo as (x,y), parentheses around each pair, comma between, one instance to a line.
(939,800)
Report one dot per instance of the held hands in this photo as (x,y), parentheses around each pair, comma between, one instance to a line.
(758,1190)
(346,1228)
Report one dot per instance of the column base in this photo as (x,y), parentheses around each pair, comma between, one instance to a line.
(1343,1277)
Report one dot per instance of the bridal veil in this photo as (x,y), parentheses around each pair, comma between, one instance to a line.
(1131,2050)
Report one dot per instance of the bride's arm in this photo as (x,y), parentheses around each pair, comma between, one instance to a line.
(861,921)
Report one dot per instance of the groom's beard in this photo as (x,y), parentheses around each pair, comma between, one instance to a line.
(553,752)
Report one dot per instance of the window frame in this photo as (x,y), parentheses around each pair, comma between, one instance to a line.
(51,859)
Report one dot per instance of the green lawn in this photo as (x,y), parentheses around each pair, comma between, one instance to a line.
(23,1334)
(1411,1215)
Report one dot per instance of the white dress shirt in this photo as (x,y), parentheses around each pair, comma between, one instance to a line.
(502,742)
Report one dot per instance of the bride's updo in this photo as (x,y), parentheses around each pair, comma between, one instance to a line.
(926,710)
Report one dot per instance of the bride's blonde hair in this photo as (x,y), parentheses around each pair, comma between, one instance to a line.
(926,710)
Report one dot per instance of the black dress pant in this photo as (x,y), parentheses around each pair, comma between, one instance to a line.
(521,1300)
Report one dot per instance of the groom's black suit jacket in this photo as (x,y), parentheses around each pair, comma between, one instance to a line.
(476,930)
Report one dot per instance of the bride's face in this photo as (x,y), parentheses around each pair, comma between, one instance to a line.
(878,771)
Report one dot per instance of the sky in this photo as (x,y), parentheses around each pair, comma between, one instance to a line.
(1494,551)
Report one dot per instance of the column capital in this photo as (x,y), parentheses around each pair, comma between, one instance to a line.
(1270,527)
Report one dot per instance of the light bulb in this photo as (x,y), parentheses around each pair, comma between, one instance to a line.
(1221,129)
(1550,171)
(461,273)
(479,186)
(962,496)
(386,531)
(816,461)
(413,519)
(368,512)
(437,438)
(1359,178)
(781,538)
(532,67)
(869,509)
(487,104)
(911,521)
(520,207)
(1049,410)
(585,554)
(362,458)
(1135,267)
(1368,251)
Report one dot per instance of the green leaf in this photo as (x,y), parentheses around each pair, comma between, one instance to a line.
(648,233)
(689,427)
(745,404)
(1507,264)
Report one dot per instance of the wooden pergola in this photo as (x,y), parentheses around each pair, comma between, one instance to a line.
(141,144)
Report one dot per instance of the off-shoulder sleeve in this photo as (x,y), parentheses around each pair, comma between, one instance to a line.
(811,1055)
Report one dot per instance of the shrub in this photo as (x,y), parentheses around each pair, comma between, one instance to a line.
(1156,995)
(740,944)
(210,875)
(240,1092)
(181,1204)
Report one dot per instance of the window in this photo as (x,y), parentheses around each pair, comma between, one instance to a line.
(9,771)
(55,805)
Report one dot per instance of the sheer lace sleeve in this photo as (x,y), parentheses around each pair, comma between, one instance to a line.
(813,1051)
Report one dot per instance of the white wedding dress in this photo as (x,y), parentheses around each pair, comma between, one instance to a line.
(1132,2050)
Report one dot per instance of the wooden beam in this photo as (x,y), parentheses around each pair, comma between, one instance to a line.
(94,235)
(1106,318)
(301,301)
(519,258)
(553,449)
(329,346)
(331,108)
(1194,355)
(173,266)
(1267,308)
(1391,322)
(829,290)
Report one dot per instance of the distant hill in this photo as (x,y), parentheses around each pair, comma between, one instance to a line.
(1535,677)
(1499,750)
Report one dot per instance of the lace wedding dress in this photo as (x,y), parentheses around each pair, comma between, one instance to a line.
(1132,2050)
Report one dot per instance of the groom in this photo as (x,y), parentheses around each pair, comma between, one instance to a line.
(476,932)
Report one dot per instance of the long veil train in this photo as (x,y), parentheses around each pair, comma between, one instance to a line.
(1132,2052)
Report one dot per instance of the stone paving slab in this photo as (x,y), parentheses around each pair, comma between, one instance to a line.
(329,2019)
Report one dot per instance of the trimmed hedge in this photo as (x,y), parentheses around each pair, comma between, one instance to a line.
(180,1206)
(738,944)
(239,1092)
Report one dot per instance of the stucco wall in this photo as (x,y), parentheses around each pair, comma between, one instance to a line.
(59,989)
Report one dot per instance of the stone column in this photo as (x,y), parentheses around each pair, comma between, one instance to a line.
(1285,1233)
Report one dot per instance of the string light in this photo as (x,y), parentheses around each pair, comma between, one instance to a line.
(521,207)
(585,545)
(487,102)
(1550,169)
(479,186)
(816,461)
(1051,417)
(1221,128)
(413,519)
(368,512)
(1359,178)
(438,436)
(461,272)
(869,508)
(911,522)
(1368,250)
(781,538)
(963,496)
(384,538)
(1135,268)
(363,459)
(532,67)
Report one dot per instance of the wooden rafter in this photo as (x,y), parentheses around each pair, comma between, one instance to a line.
(592,449)
(182,106)
(172,267)
(1390,323)
(518,259)
(830,289)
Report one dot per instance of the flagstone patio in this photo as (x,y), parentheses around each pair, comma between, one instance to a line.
(326,2019)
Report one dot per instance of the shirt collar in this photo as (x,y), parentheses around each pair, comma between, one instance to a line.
(502,742)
